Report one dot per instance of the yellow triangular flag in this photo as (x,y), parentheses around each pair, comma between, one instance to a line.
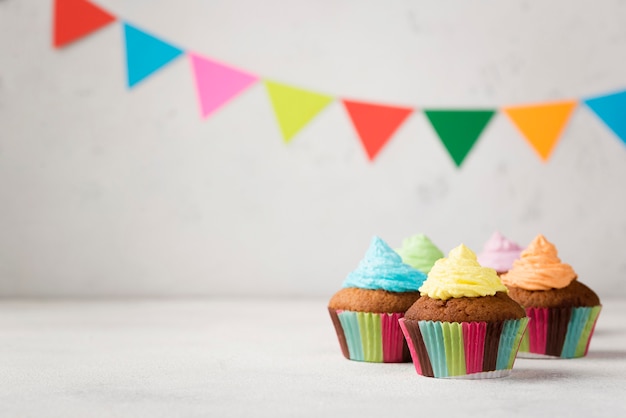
(294,107)
(541,124)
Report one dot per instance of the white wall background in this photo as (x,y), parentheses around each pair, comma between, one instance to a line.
(105,191)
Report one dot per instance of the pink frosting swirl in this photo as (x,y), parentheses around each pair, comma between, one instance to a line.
(499,253)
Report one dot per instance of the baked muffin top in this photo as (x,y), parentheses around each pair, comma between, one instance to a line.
(575,294)
(498,307)
(366,300)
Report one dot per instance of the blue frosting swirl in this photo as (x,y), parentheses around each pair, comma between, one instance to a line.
(382,268)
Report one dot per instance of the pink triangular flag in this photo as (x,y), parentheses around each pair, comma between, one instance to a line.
(217,83)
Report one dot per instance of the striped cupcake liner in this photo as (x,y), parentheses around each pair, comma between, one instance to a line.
(467,350)
(559,332)
(371,337)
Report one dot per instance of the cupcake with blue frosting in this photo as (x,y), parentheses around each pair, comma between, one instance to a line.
(365,312)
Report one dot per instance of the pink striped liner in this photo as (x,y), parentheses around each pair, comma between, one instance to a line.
(474,342)
(393,339)
(537,329)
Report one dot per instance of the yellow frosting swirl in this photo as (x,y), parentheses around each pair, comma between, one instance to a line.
(459,275)
(539,268)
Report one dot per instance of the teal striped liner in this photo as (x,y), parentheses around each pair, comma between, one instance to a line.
(446,345)
(372,337)
(577,337)
(352,331)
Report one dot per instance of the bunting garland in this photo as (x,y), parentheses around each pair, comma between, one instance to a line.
(541,124)
(294,107)
(218,83)
(75,19)
(145,54)
(375,123)
(459,129)
(611,109)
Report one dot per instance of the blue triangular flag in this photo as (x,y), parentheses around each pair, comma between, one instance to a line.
(611,108)
(145,54)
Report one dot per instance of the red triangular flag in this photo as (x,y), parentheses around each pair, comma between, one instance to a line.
(74,19)
(375,123)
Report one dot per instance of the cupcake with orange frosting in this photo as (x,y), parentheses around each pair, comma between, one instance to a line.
(499,253)
(464,325)
(562,311)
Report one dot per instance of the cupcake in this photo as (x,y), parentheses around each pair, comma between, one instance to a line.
(366,310)
(464,325)
(499,253)
(562,311)
(419,252)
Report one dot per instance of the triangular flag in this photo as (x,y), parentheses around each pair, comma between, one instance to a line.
(459,129)
(375,123)
(541,124)
(75,19)
(145,54)
(611,108)
(217,83)
(294,107)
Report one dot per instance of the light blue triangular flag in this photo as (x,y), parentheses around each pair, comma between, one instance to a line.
(611,108)
(145,54)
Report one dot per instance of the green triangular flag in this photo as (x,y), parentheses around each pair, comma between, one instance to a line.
(294,107)
(459,129)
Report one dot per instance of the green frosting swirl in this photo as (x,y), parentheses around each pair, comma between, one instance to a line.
(419,252)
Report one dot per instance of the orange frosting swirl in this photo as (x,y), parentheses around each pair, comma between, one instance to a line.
(539,268)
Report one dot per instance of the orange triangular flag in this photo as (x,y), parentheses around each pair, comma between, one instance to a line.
(74,19)
(541,124)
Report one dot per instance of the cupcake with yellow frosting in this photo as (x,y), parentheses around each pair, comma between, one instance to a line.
(419,252)
(464,325)
(373,297)
(562,311)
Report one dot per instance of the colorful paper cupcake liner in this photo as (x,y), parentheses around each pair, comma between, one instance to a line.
(470,350)
(559,332)
(371,337)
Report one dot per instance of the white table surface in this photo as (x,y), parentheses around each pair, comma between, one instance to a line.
(259,357)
